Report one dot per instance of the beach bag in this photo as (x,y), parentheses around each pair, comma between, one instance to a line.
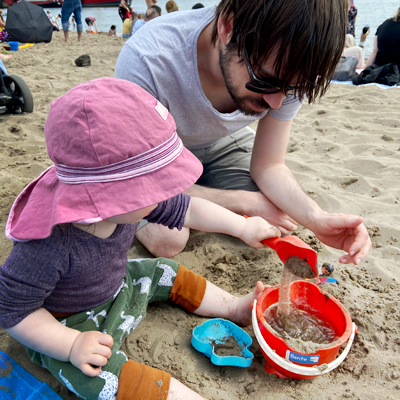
(345,69)
(387,74)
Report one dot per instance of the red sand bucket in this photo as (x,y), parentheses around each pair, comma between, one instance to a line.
(286,362)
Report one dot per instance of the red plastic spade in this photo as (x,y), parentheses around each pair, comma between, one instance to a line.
(293,246)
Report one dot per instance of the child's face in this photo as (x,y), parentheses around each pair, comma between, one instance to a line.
(132,217)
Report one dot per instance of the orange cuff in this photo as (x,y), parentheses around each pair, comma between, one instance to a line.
(141,382)
(188,289)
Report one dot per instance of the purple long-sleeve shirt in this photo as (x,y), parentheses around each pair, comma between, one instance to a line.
(72,271)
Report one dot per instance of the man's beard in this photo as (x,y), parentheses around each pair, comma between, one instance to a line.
(240,101)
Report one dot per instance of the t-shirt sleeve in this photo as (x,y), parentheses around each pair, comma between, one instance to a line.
(132,67)
(171,212)
(288,110)
(28,277)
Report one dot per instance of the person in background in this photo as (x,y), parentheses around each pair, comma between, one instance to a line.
(250,66)
(68,292)
(150,3)
(157,9)
(68,7)
(151,13)
(124,9)
(58,18)
(197,5)
(352,50)
(53,21)
(171,6)
(140,16)
(127,26)
(365,32)
(352,16)
(92,27)
(113,31)
(2,22)
(387,43)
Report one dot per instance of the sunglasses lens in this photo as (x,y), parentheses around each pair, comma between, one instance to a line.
(260,87)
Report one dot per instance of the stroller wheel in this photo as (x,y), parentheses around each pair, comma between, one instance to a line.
(22,100)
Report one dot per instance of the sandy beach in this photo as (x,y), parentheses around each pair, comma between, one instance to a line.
(345,152)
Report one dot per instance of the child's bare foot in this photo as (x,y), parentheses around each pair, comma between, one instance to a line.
(243,311)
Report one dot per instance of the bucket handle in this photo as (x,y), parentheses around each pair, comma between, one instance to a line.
(298,369)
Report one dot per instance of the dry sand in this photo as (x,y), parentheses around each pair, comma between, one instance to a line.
(345,151)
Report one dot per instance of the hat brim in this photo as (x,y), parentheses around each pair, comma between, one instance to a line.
(47,202)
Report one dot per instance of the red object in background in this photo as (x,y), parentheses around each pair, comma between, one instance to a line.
(8,2)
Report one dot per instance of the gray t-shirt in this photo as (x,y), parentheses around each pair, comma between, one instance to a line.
(162,58)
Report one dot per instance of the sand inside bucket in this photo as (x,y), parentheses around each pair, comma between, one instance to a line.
(302,330)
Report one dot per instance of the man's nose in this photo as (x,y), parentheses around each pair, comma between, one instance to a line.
(274,99)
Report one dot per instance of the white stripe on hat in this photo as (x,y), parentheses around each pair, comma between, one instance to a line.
(141,164)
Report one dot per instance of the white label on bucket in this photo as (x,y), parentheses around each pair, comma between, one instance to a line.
(301,358)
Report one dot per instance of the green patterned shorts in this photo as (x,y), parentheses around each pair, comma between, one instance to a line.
(146,281)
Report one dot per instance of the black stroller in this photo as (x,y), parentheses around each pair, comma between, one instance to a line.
(15,95)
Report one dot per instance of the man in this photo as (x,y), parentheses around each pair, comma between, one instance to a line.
(151,13)
(219,70)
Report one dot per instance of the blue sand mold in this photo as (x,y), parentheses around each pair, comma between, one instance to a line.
(218,331)
(16,383)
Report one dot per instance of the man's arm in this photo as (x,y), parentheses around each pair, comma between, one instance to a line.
(273,177)
(276,181)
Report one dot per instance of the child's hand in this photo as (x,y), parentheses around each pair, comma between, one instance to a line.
(257,229)
(90,352)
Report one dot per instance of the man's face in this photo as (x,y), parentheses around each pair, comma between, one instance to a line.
(236,76)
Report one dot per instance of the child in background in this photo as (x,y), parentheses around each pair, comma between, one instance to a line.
(67,292)
(92,27)
(140,16)
(113,31)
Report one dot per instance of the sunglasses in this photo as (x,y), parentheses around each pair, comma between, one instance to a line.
(265,86)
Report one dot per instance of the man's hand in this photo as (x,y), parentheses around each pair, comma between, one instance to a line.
(343,232)
(90,352)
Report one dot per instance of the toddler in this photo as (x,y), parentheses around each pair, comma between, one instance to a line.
(113,31)
(67,291)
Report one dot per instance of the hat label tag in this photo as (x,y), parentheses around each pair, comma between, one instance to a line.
(162,111)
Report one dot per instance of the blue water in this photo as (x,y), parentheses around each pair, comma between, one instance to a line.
(369,12)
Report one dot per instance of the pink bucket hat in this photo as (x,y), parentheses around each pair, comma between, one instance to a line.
(115,150)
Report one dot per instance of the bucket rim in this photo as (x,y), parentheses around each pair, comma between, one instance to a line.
(336,344)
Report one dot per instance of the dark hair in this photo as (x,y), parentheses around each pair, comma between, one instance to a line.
(197,5)
(306,35)
(328,267)
(113,27)
(157,8)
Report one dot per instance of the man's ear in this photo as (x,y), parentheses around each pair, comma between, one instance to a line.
(225,28)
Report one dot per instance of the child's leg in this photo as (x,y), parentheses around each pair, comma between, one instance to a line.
(197,295)
(219,303)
